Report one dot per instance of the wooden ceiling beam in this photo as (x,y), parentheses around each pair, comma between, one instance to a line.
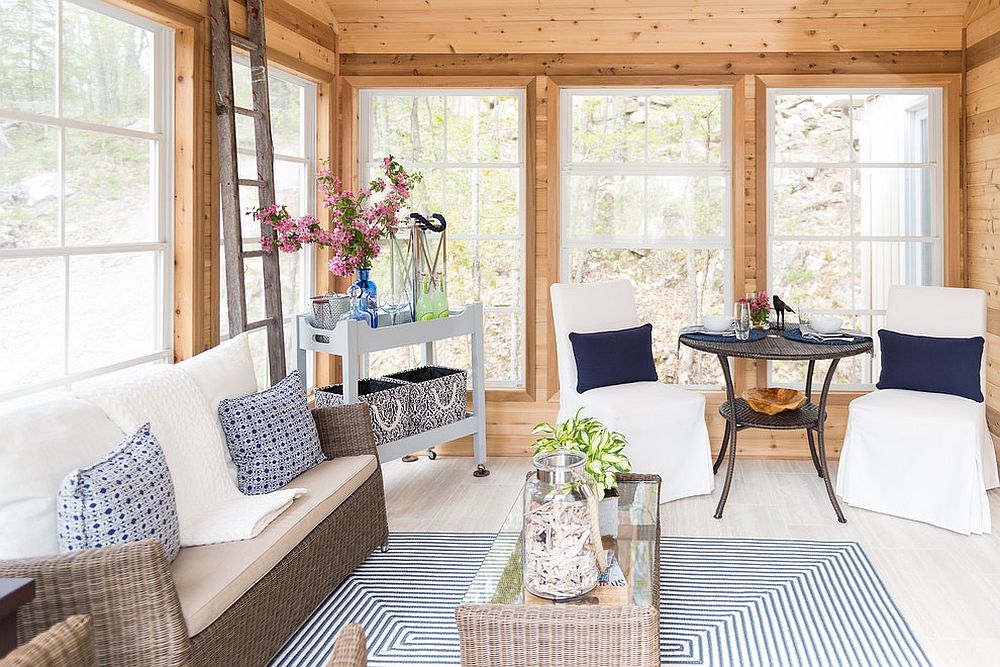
(630,64)
(351,11)
(675,36)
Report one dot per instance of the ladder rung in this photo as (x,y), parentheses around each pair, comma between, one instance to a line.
(242,42)
(253,113)
(250,254)
(259,324)
(251,182)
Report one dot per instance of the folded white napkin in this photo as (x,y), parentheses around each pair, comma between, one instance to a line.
(698,328)
(836,335)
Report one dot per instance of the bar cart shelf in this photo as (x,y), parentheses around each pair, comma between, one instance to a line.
(352,339)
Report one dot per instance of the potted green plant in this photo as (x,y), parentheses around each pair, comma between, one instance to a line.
(602,447)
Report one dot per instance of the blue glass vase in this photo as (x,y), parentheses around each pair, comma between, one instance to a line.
(368,299)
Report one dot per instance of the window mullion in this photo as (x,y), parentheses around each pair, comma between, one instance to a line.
(59,59)
(66,327)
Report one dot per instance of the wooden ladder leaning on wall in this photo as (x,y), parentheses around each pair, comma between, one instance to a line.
(223,41)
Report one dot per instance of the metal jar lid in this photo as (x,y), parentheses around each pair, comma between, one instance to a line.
(559,467)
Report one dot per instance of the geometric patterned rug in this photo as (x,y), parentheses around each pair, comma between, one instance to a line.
(724,602)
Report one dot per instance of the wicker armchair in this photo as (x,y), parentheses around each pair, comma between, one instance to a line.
(67,644)
(350,649)
(129,593)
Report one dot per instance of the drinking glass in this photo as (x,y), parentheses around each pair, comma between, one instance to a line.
(394,301)
(741,320)
(804,316)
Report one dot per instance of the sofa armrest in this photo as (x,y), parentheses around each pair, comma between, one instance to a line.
(345,430)
(127,591)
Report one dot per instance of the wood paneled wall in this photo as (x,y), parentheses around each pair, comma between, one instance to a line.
(982,158)
(510,421)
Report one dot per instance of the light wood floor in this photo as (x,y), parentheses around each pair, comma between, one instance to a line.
(947,585)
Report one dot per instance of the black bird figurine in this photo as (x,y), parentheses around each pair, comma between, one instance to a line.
(780,308)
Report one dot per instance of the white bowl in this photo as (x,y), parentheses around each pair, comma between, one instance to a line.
(717,323)
(826,324)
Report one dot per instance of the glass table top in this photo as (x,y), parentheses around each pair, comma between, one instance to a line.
(628,530)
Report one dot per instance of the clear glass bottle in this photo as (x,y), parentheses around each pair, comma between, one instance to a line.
(561,539)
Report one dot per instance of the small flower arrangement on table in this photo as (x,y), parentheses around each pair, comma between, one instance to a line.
(760,307)
(359,220)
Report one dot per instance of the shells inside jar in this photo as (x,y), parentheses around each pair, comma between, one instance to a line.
(561,538)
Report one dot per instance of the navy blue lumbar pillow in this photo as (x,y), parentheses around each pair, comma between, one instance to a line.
(607,358)
(925,363)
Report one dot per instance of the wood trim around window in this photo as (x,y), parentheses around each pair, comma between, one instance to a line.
(191,208)
(951,120)
(738,191)
(350,153)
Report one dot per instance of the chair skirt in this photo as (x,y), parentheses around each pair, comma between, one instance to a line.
(665,428)
(918,455)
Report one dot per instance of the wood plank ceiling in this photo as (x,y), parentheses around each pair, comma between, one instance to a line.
(675,26)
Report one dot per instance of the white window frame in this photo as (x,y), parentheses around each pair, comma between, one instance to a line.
(723,168)
(308,159)
(936,162)
(366,160)
(162,170)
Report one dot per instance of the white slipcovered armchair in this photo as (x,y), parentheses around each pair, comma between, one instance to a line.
(920,455)
(664,425)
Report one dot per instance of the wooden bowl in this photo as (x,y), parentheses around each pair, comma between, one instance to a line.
(773,401)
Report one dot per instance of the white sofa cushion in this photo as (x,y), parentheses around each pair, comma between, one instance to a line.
(39,445)
(210,579)
(210,509)
(224,371)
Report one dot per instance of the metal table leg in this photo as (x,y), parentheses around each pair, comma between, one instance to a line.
(722,450)
(732,430)
(809,431)
(820,427)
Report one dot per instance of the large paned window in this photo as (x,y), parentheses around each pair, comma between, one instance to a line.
(85,193)
(293,131)
(645,194)
(854,205)
(469,145)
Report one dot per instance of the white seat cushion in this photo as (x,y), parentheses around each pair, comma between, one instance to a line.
(921,456)
(918,407)
(40,444)
(210,579)
(665,429)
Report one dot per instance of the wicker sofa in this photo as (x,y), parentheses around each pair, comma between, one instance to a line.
(234,603)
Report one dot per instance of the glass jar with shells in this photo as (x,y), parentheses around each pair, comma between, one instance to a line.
(563,557)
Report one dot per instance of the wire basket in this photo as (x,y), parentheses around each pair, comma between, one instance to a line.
(330,308)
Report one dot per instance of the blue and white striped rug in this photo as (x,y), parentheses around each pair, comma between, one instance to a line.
(724,602)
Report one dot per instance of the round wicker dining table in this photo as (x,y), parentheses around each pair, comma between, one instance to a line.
(810,416)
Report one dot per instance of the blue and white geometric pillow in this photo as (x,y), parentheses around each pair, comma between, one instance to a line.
(125,497)
(271,436)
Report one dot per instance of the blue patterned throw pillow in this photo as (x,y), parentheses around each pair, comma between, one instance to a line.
(125,497)
(271,436)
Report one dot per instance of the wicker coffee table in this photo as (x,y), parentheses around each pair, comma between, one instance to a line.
(498,627)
